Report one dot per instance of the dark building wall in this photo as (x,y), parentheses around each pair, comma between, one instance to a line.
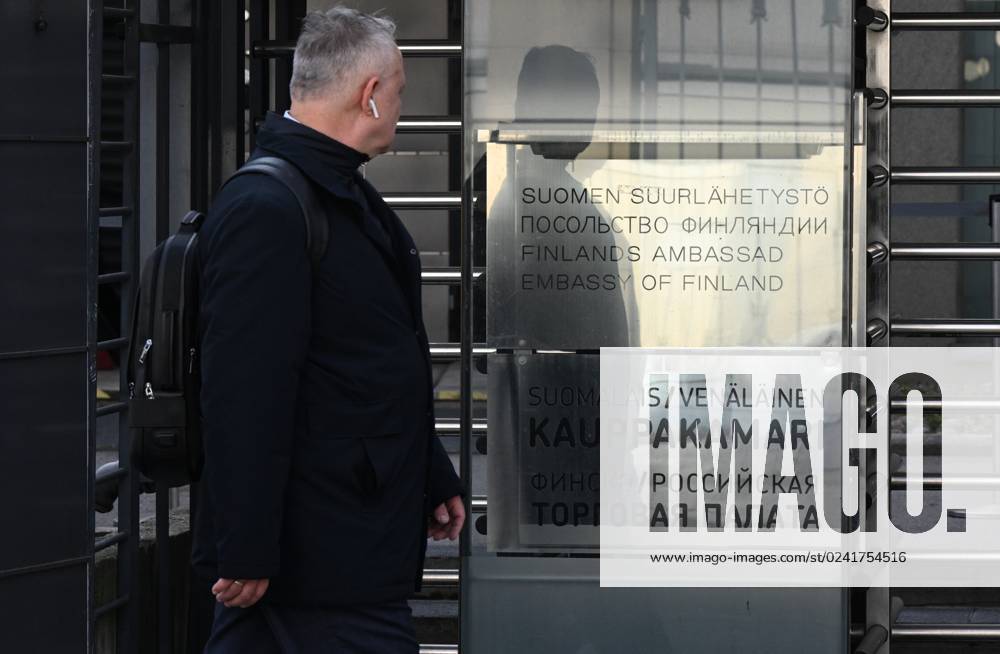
(47,293)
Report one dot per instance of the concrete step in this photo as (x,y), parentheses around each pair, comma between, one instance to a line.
(913,597)
(436,621)
(951,615)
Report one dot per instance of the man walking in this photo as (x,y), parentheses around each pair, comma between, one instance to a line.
(323,475)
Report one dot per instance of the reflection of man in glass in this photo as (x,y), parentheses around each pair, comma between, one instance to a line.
(554,112)
(567,277)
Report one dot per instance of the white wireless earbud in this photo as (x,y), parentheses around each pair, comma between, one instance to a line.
(371,103)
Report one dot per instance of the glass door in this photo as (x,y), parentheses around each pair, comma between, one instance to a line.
(642,174)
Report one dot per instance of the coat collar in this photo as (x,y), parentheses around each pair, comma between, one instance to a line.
(330,164)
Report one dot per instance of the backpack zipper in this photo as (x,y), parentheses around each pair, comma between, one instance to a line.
(145,350)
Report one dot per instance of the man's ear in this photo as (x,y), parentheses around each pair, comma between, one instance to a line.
(366,93)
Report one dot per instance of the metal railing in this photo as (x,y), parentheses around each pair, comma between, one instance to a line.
(453,351)
(944,175)
(913,21)
(451,426)
(945,98)
(924,633)
(448,275)
(439,649)
(429,125)
(880,626)
(945,251)
(965,327)
(441,577)
(423,200)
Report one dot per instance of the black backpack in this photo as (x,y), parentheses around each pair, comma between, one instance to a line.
(163,369)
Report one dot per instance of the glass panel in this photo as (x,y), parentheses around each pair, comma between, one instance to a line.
(634,181)
(643,173)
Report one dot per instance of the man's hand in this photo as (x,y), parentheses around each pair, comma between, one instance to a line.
(447,520)
(242,593)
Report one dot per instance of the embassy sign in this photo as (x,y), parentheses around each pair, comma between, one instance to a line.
(800,467)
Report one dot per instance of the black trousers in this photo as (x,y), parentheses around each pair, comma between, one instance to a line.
(265,629)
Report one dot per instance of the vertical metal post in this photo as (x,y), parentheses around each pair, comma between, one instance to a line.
(466,335)
(796,119)
(287,20)
(199,125)
(994,209)
(163,128)
(794,26)
(878,613)
(200,608)
(164,616)
(650,71)
(878,78)
(467,298)
(721,65)
(831,19)
(456,161)
(164,623)
(635,68)
(227,150)
(259,88)
(857,255)
(758,15)
(128,489)
(95,62)
(684,10)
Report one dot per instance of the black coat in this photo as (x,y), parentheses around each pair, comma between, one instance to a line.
(321,460)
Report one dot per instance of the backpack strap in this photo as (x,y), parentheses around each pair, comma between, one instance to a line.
(317,226)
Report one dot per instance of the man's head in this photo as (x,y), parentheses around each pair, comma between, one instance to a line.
(347,69)
(558,86)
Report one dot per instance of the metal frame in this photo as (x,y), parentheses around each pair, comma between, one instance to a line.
(95,39)
(880,630)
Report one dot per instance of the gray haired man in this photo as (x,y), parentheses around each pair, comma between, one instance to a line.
(323,475)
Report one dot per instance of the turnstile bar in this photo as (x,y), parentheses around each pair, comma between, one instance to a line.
(945,21)
(407,47)
(945,175)
(429,125)
(946,327)
(946,632)
(423,200)
(945,98)
(945,251)
(447,275)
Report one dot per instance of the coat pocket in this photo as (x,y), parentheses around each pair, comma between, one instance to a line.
(369,440)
